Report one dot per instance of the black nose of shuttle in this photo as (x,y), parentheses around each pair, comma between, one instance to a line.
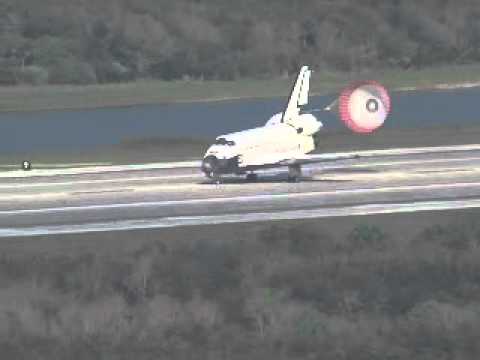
(209,164)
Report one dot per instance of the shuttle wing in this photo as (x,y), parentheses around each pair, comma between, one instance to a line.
(304,160)
(321,158)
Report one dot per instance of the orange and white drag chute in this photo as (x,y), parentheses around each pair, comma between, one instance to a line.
(364,106)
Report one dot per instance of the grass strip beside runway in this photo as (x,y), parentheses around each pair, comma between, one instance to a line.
(28,98)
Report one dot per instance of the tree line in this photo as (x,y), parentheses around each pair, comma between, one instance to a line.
(272,291)
(88,41)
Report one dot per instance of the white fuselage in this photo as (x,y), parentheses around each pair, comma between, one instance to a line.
(286,137)
(290,135)
(264,146)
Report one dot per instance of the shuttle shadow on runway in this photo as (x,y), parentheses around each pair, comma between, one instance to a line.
(350,171)
(271,179)
(283,177)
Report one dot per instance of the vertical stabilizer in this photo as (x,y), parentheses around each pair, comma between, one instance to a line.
(298,96)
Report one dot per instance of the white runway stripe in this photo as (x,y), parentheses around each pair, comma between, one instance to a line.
(169,222)
(196,164)
(58,165)
(373,164)
(97,169)
(400,151)
(240,199)
(199,175)
(96,182)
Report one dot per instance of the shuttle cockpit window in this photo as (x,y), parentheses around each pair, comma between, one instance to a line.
(223,141)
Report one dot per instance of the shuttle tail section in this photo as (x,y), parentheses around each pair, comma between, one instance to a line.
(298,96)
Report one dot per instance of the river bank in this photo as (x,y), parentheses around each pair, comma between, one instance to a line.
(158,149)
(37,98)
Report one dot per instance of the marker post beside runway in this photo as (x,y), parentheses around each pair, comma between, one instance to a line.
(26,165)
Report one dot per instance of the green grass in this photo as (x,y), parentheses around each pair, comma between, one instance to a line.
(129,152)
(28,98)
(458,74)
(157,149)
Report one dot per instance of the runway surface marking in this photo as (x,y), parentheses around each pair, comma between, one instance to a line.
(391,175)
(241,199)
(97,181)
(166,222)
(318,167)
(361,178)
(45,166)
(412,162)
(196,164)
(161,195)
(199,175)
(98,169)
(401,151)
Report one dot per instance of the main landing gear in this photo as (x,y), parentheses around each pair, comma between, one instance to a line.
(294,173)
(252,177)
(216,178)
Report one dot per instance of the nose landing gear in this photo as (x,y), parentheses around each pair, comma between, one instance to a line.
(216,178)
(294,173)
(209,167)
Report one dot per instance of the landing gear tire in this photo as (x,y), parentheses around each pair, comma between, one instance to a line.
(294,173)
(252,177)
(216,179)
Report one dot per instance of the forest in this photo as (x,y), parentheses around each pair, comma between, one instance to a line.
(383,287)
(90,41)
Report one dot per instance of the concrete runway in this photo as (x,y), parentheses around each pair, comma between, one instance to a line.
(109,198)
